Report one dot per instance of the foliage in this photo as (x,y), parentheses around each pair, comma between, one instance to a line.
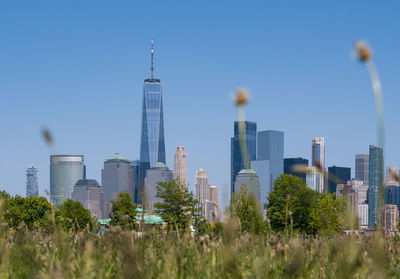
(329,215)
(123,211)
(72,216)
(32,212)
(177,205)
(290,204)
(247,209)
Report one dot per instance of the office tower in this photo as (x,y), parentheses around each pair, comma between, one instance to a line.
(158,173)
(392,195)
(213,193)
(32,187)
(337,175)
(360,188)
(362,168)
(65,171)
(289,163)
(249,178)
(116,177)
(201,187)
(88,192)
(180,167)
(313,178)
(318,160)
(363,215)
(270,146)
(390,219)
(347,191)
(152,143)
(239,163)
(390,176)
(375,183)
(135,169)
(263,171)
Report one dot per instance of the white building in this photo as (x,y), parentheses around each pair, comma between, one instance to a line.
(201,187)
(360,188)
(390,176)
(318,160)
(363,215)
(180,165)
(313,179)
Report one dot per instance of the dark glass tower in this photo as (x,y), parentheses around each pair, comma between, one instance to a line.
(337,175)
(289,163)
(152,144)
(375,183)
(239,163)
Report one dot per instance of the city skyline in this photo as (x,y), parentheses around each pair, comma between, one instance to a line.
(105,72)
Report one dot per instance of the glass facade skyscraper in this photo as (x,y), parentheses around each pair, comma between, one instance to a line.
(152,142)
(362,169)
(239,163)
(65,171)
(337,175)
(32,187)
(289,163)
(375,183)
(318,160)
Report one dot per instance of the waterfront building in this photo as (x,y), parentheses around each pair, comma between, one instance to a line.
(180,166)
(362,168)
(89,193)
(290,163)
(116,177)
(152,143)
(375,182)
(318,160)
(65,171)
(240,159)
(263,171)
(32,186)
(158,173)
(337,175)
(249,178)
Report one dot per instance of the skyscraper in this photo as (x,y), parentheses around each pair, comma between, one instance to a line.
(152,144)
(32,187)
(337,175)
(201,187)
(390,219)
(362,168)
(88,192)
(116,177)
(270,146)
(263,171)
(318,160)
(239,163)
(249,178)
(180,167)
(289,163)
(375,183)
(213,193)
(65,171)
(135,168)
(390,176)
(158,173)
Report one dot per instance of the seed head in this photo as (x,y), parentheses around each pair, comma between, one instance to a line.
(363,51)
(241,97)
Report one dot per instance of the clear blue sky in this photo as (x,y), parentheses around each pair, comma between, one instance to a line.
(77,67)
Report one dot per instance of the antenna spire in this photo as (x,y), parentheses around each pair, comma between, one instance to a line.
(152,54)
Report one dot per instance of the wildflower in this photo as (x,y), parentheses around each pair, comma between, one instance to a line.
(363,51)
(241,97)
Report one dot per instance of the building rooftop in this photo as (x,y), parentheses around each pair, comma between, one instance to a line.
(160,165)
(117,157)
(247,171)
(87,182)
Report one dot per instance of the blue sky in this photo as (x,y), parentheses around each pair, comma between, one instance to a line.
(77,67)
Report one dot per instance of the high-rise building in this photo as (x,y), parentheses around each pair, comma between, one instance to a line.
(347,191)
(390,219)
(212,210)
(32,186)
(313,177)
(360,188)
(392,195)
(375,183)
(65,171)
(152,144)
(88,192)
(390,179)
(116,177)
(135,169)
(213,193)
(240,159)
(270,146)
(337,175)
(158,173)
(363,215)
(180,166)
(318,160)
(201,187)
(362,168)
(249,178)
(289,163)
(263,171)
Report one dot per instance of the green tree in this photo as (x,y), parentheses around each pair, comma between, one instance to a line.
(32,212)
(72,216)
(177,205)
(123,211)
(289,205)
(247,209)
(329,215)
